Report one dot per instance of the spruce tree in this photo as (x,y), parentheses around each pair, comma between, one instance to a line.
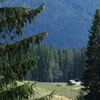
(91,75)
(82,58)
(66,66)
(13,66)
(75,63)
(60,58)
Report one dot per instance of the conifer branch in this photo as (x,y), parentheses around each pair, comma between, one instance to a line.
(18,92)
(14,19)
(16,47)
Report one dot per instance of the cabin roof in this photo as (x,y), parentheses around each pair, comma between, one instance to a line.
(72,81)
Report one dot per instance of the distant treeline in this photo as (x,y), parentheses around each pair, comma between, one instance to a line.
(56,65)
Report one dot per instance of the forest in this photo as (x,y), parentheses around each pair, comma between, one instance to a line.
(57,65)
(66,22)
(26,58)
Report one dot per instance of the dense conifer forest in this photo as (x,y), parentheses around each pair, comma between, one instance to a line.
(57,65)
(61,57)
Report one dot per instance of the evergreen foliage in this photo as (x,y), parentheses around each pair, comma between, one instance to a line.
(81,95)
(91,75)
(57,65)
(13,65)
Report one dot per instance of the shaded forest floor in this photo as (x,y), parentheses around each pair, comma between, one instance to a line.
(63,91)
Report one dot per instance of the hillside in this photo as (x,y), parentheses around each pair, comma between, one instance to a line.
(66,22)
(62,92)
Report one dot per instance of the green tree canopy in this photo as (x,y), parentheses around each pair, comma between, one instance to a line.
(13,67)
(91,75)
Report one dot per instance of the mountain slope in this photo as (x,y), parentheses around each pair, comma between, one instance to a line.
(66,22)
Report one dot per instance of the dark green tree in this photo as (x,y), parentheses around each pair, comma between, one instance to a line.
(13,67)
(75,63)
(60,57)
(66,65)
(42,72)
(81,65)
(51,51)
(44,66)
(60,61)
(91,75)
(81,95)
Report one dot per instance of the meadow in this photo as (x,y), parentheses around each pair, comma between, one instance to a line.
(63,91)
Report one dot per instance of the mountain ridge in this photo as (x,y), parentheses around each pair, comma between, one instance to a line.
(66,22)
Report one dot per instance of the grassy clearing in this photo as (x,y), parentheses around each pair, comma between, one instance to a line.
(63,90)
(42,92)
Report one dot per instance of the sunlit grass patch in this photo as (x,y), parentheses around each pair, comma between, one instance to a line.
(61,89)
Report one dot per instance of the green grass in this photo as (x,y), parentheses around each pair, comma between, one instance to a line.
(63,90)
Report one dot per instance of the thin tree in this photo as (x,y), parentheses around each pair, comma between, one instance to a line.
(13,67)
(91,75)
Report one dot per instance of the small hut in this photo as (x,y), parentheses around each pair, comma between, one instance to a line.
(74,82)
(71,82)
